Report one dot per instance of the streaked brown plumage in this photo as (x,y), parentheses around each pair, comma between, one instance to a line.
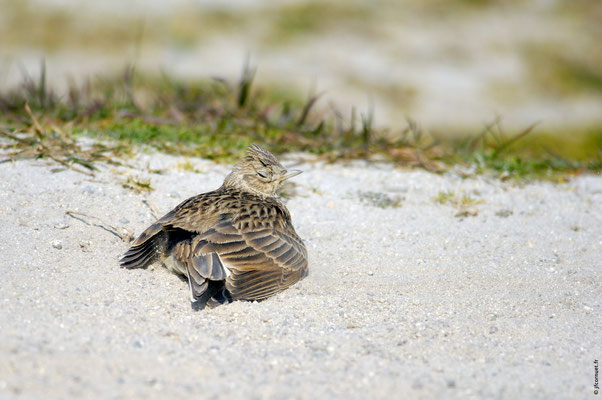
(234,243)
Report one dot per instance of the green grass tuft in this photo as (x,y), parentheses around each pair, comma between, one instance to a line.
(217,119)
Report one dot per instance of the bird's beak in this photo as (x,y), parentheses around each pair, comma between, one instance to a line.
(289,174)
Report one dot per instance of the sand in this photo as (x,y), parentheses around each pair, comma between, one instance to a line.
(406,297)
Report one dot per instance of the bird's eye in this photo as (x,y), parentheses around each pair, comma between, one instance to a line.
(261,174)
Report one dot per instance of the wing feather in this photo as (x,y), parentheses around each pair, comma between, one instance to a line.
(234,248)
(200,266)
(262,261)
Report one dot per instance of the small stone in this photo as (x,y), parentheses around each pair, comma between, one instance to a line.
(85,245)
(493,330)
(57,244)
(61,225)
(124,221)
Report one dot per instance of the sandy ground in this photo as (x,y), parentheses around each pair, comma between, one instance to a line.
(401,302)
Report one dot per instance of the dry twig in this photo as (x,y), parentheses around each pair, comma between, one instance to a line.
(124,234)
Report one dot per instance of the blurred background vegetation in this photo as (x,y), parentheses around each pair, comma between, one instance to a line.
(360,76)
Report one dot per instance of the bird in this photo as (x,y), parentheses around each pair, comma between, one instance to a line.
(234,243)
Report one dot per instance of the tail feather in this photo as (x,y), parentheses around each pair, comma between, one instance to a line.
(138,257)
(145,249)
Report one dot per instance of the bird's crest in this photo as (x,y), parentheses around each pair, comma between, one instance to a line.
(257,153)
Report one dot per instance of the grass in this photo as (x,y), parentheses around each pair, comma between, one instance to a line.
(186,165)
(216,119)
(138,184)
(465,204)
(455,200)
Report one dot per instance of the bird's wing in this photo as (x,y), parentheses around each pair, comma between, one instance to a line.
(145,248)
(262,258)
(261,284)
(148,244)
(193,215)
(197,214)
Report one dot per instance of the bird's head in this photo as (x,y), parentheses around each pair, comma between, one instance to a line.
(259,172)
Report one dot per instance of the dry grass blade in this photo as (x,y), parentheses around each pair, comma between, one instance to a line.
(244,86)
(307,108)
(367,121)
(36,125)
(14,137)
(55,145)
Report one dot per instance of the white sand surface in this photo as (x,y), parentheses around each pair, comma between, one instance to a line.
(401,302)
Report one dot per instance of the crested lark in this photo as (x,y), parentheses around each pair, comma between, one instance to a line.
(234,243)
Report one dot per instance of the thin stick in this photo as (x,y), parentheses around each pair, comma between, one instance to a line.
(125,236)
(151,206)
